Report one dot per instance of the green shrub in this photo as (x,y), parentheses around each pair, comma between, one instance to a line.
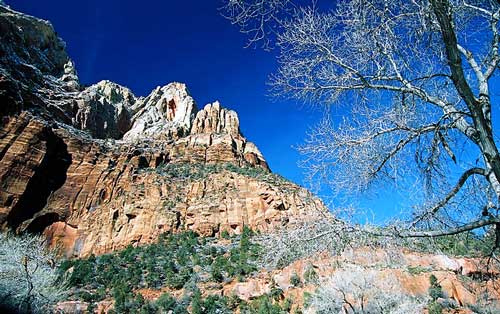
(166,302)
(215,304)
(233,302)
(217,275)
(266,306)
(435,292)
(435,289)
(435,308)
(197,303)
(287,305)
(295,280)
(276,292)
(168,263)
(310,275)
(416,270)
(307,296)
(197,171)
(224,234)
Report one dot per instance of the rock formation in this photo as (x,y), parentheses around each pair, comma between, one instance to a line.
(97,169)
(166,113)
(103,110)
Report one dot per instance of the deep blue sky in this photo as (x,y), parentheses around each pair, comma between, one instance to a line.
(144,44)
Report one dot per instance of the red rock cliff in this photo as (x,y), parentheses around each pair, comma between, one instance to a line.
(97,169)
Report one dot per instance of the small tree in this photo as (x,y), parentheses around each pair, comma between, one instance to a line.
(197,302)
(28,275)
(435,292)
(415,78)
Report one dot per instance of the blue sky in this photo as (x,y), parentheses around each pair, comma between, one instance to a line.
(143,44)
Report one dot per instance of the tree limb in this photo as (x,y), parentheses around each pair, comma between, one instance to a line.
(464,228)
(443,13)
(461,181)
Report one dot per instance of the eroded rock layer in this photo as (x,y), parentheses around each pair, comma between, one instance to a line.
(96,169)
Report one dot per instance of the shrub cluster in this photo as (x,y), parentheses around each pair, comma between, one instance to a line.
(177,261)
(198,171)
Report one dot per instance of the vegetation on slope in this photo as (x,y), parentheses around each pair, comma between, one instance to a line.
(197,171)
(177,264)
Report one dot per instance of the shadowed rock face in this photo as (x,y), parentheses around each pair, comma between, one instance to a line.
(48,176)
(32,58)
(103,109)
(96,169)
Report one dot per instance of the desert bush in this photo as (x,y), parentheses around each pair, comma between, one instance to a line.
(225,234)
(435,308)
(486,303)
(197,171)
(304,239)
(166,302)
(435,290)
(310,275)
(484,308)
(358,290)
(29,281)
(265,304)
(295,280)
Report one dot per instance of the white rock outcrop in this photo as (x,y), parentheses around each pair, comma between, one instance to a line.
(216,120)
(70,77)
(165,114)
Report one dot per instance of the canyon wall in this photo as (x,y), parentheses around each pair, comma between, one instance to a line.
(97,168)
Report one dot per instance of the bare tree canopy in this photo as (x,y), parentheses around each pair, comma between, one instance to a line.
(416,77)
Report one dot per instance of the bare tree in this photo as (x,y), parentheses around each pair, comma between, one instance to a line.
(28,276)
(259,19)
(415,77)
(358,290)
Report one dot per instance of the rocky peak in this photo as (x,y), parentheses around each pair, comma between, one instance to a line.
(103,110)
(70,77)
(214,119)
(32,66)
(165,114)
(36,72)
(30,44)
(112,93)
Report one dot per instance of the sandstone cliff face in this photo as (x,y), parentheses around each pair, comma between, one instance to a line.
(97,169)
(97,195)
(137,210)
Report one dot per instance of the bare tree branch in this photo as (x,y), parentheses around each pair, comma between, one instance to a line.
(413,79)
(437,233)
(461,181)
